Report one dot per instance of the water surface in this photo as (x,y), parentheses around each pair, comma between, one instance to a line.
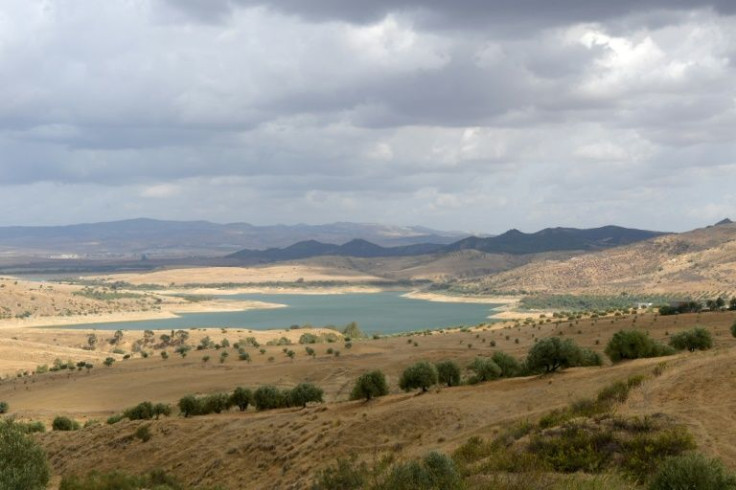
(385,313)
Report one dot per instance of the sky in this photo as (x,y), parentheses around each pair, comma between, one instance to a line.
(470,115)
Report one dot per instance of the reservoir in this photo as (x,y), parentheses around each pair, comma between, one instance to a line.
(380,313)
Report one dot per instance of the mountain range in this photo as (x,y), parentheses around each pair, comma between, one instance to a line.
(512,242)
(158,238)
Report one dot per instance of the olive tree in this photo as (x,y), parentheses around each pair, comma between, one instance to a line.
(241,398)
(370,385)
(448,372)
(304,393)
(552,353)
(420,375)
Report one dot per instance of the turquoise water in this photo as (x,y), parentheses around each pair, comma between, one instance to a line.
(383,313)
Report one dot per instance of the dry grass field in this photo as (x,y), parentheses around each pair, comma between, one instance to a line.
(284,448)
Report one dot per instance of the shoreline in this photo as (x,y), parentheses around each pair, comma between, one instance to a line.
(168,312)
(270,290)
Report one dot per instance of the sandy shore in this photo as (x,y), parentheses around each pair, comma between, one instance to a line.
(509,309)
(204,291)
(446,298)
(167,311)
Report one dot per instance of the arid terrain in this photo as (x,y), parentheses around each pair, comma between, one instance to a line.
(700,262)
(284,448)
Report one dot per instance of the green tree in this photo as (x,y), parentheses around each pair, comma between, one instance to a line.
(634,344)
(108,361)
(92,341)
(241,398)
(697,338)
(23,463)
(189,406)
(304,393)
(4,407)
(420,375)
(510,367)
(370,385)
(485,370)
(733,329)
(268,397)
(551,354)
(448,372)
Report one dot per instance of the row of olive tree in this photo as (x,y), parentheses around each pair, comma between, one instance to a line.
(265,397)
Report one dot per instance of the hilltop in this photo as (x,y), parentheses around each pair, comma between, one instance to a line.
(702,261)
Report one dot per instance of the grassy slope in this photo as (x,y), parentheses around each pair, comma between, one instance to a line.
(281,449)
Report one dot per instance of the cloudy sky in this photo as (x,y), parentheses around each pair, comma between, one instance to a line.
(473,115)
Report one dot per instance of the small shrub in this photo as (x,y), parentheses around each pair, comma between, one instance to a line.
(345,474)
(143,433)
(114,419)
(62,423)
(4,407)
(108,361)
(733,329)
(142,411)
(692,470)
(244,356)
(434,471)
(308,338)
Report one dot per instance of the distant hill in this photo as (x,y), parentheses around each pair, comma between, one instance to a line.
(512,242)
(701,261)
(157,238)
(555,239)
(353,248)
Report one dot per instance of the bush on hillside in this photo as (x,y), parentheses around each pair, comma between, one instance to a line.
(448,372)
(62,423)
(4,407)
(510,367)
(142,411)
(370,385)
(420,375)
(435,471)
(23,463)
(692,470)
(696,339)
(634,344)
